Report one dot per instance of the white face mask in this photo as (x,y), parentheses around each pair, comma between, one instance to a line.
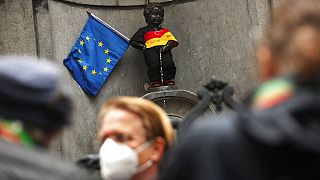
(119,161)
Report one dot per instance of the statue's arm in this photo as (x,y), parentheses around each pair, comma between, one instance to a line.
(170,45)
(137,40)
(137,45)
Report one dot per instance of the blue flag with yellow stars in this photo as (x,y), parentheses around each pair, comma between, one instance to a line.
(95,54)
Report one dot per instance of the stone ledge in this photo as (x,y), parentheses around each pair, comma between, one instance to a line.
(169,93)
(161,88)
(115,2)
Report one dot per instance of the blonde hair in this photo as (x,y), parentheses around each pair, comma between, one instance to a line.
(154,119)
(293,35)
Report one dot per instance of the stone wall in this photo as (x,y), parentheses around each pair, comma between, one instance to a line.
(217,38)
(17,34)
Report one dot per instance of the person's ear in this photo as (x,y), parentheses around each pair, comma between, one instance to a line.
(266,66)
(158,148)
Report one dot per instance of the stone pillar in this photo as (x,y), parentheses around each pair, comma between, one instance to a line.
(43,28)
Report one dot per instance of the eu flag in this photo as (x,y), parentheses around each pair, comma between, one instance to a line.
(95,54)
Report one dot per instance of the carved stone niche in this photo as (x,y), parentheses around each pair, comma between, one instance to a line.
(116,2)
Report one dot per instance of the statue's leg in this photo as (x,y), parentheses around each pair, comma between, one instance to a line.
(169,70)
(154,72)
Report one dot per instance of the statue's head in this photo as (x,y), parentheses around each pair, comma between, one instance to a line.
(153,14)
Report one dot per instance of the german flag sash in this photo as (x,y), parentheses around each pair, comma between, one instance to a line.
(158,38)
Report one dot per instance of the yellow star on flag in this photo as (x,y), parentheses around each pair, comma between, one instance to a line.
(88,38)
(100,44)
(79,51)
(109,60)
(84,67)
(100,73)
(93,72)
(106,69)
(79,60)
(81,42)
(106,51)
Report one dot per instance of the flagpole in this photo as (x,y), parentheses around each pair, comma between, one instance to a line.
(108,26)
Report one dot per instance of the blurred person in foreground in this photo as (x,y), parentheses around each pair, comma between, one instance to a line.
(33,111)
(135,134)
(276,136)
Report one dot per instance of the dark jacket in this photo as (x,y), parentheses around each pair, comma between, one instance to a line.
(278,143)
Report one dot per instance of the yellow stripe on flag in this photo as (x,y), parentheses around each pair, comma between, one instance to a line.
(160,41)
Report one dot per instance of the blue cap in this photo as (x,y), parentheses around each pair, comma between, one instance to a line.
(30,91)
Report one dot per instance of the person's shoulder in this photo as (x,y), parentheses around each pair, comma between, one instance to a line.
(209,122)
(35,164)
(221,127)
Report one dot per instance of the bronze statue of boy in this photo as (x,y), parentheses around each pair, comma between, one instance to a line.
(156,43)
